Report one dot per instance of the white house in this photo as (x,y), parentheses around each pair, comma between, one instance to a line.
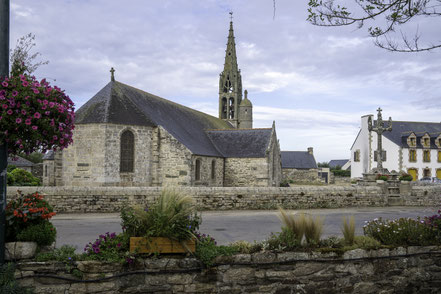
(412,147)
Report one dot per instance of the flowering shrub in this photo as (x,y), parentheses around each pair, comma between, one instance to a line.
(34,114)
(26,211)
(401,232)
(434,223)
(110,247)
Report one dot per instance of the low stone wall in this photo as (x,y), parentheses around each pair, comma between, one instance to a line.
(111,199)
(401,270)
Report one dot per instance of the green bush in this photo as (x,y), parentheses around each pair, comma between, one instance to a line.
(43,233)
(21,177)
(400,232)
(341,173)
(286,240)
(63,253)
(366,242)
(382,177)
(207,250)
(405,177)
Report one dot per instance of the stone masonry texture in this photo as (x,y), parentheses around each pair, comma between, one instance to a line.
(399,270)
(111,199)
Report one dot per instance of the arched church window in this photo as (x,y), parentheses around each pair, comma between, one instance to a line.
(197,175)
(213,169)
(127,152)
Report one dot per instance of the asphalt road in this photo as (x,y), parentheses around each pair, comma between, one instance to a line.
(227,226)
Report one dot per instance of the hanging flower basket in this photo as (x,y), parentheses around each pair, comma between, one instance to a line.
(161,245)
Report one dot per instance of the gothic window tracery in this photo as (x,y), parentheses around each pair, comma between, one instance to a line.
(231,114)
(127,152)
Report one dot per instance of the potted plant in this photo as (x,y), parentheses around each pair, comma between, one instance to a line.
(28,225)
(167,226)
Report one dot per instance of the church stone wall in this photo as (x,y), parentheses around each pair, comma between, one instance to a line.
(173,160)
(94,157)
(206,178)
(301,175)
(83,162)
(141,176)
(245,172)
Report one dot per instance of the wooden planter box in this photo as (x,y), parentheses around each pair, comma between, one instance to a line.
(160,245)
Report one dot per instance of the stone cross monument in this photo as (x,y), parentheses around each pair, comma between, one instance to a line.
(379,128)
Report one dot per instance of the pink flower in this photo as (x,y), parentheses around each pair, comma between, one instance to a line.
(9,111)
(55,138)
(18,120)
(23,112)
(14,93)
(36,91)
(25,84)
(47,112)
(37,115)
(45,102)
(28,121)
(51,104)
(21,146)
(34,128)
(5,84)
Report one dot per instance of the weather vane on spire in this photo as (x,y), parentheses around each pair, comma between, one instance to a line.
(231,15)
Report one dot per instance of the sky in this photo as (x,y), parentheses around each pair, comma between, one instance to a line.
(314,82)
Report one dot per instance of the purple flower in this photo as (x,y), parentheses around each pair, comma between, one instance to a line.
(9,111)
(5,84)
(14,93)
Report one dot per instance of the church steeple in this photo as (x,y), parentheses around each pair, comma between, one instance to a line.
(230,83)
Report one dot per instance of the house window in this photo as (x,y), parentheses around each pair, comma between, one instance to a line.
(383,155)
(412,155)
(426,155)
(357,155)
(198,170)
(439,156)
(427,173)
(426,142)
(213,169)
(127,152)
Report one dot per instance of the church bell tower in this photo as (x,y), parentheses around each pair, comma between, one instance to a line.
(230,84)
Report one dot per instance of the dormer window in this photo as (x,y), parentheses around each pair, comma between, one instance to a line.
(411,140)
(425,141)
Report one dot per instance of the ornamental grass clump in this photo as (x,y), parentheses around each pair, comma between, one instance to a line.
(27,219)
(348,230)
(173,216)
(313,229)
(293,222)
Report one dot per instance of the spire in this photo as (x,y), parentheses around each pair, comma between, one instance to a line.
(230,53)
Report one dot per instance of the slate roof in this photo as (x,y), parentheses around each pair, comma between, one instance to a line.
(241,143)
(298,159)
(118,103)
(337,162)
(19,162)
(402,129)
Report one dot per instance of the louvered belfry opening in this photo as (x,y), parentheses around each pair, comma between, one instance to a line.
(127,152)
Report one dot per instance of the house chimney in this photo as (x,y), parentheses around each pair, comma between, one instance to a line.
(310,151)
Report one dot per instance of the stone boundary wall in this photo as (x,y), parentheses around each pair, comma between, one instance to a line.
(401,270)
(111,199)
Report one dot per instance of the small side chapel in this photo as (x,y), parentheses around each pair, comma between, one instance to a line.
(127,137)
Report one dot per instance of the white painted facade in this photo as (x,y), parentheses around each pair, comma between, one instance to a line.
(397,155)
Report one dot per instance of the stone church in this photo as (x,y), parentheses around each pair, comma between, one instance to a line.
(127,137)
